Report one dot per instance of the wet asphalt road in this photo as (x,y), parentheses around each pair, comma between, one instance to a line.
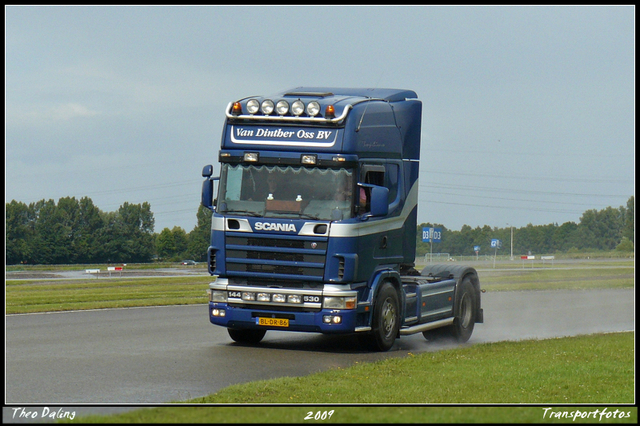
(164,354)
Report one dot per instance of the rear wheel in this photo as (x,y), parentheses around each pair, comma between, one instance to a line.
(464,321)
(385,322)
(245,335)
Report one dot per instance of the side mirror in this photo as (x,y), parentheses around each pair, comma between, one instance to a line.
(207,171)
(207,194)
(379,201)
(207,188)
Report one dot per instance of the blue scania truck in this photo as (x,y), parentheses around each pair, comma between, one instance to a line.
(315,219)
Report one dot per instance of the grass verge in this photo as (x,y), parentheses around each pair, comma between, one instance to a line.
(558,279)
(54,295)
(583,369)
(595,369)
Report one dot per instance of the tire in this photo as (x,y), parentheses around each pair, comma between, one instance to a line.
(466,301)
(437,334)
(386,320)
(246,336)
(465,319)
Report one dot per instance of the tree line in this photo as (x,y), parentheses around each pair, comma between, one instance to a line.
(78,232)
(598,230)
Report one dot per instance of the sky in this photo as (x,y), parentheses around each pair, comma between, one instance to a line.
(528,111)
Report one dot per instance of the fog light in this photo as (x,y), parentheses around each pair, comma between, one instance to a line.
(313,108)
(294,298)
(282,107)
(267,107)
(253,106)
(251,156)
(309,159)
(218,312)
(297,108)
(332,319)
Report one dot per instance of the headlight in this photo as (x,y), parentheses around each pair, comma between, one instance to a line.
(253,106)
(313,108)
(282,107)
(218,296)
(297,108)
(331,302)
(267,107)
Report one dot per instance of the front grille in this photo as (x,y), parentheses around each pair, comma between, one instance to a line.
(273,256)
(212,261)
(341,268)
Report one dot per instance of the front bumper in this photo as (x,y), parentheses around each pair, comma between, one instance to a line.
(242,306)
(247,318)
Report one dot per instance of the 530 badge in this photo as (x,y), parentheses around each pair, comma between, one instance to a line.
(311,299)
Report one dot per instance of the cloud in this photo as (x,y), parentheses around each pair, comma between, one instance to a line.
(41,114)
(69,111)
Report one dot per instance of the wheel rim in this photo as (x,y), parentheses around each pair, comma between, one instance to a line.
(465,310)
(388,317)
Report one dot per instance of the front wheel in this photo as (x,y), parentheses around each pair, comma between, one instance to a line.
(385,322)
(246,336)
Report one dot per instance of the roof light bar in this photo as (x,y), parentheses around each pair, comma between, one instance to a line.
(293,113)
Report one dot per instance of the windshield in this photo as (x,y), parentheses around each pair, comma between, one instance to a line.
(277,191)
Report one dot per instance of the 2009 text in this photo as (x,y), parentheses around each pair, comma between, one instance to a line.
(320,415)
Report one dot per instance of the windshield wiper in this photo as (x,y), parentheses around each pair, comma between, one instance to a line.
(247,212)
(300,215)
(308,216)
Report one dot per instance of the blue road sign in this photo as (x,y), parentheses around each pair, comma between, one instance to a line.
(429,234)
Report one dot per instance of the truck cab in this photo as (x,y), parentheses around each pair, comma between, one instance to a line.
(314,220)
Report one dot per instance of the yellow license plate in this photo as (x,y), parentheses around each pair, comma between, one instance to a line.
(272,322)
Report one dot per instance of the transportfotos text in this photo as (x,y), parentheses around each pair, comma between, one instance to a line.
(549,413)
